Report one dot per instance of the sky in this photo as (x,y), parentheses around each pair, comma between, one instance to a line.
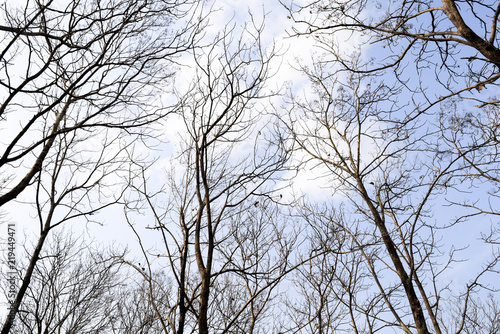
(292,50)
(277,27)
(112,228)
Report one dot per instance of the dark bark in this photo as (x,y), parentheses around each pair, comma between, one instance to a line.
(9,322)
(486,48)
(415,306)
(37,167)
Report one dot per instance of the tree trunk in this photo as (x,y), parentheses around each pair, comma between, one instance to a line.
(9,322)
(416,307)
(486,48)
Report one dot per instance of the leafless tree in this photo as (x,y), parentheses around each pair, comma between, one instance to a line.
(140,302)
(81,84)
(389,120)
(455,40)
(334,291)
(72,289)
(80,66)
(224,241)
(76,183)
(77,287)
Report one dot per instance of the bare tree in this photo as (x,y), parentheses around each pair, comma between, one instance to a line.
(140,302)
(72,289)
(76,183)
(385,164)
(392,121)
(224,242)
(80,65)
(455,41)
(334,290)
(77,287)
(441,56)
(82,83)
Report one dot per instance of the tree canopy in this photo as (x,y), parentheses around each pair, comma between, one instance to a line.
(178,126)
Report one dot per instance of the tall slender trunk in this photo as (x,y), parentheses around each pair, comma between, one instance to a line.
(182,287)
(204,265)
(411,295)
(204,298)
(9,322)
